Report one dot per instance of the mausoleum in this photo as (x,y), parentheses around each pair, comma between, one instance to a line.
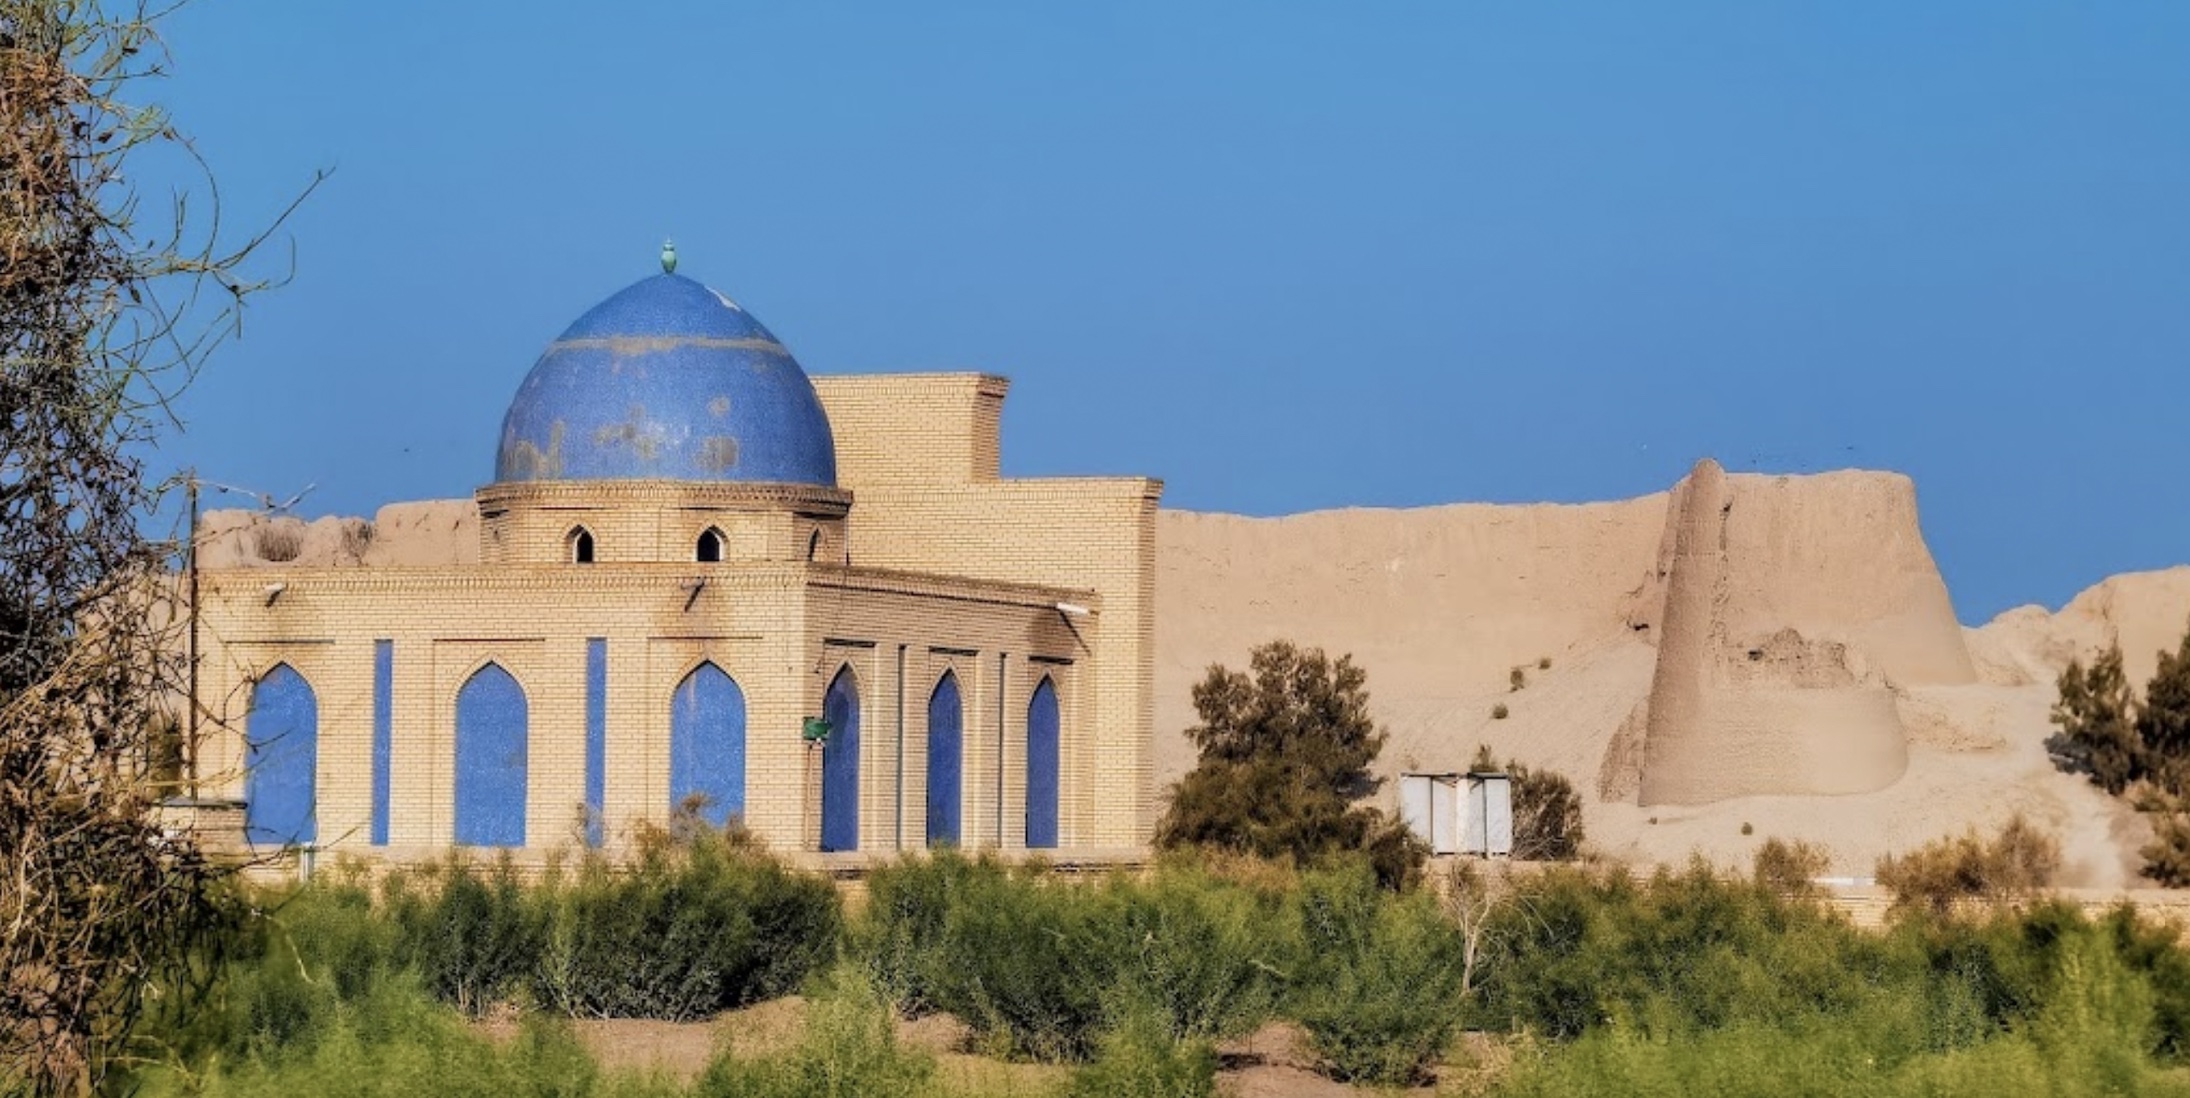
(700,580)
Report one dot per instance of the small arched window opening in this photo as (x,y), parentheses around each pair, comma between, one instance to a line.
(581,546)
(813,544)
(710,547)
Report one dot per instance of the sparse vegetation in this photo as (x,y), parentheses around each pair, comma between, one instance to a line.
(2013,865)
(1517,680)
(1543,663)
(1789,869)
(1499,712)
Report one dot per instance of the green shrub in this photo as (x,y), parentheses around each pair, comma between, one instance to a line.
(1379,994)
(2026,1002)
(1205,958)
(300,955)
(696,927)
(1023,960)
(1027,963)
(848,1049)
(2154,950)
(1139,1058)
(1038,966)
(1577,949)
(395,1042)
(474,936)
(899,936)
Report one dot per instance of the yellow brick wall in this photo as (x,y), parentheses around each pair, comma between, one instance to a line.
(1097,533)
(780,631)
(914,428)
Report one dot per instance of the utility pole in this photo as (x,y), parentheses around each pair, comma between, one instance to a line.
(190,571)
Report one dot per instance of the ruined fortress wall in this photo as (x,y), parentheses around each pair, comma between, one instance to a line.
(1840,557)
(1785,612)
(1434,601)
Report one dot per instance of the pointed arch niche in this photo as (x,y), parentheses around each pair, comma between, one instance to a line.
(491,759)
(707,745)
(1043,734)
(840,764)
(281,760)
(946,761)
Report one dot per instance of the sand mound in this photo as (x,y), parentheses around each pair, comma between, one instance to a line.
(430,532)
(2144,612)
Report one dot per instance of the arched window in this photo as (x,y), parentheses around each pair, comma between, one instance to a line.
(1042,767)
(281,760)
(710,547)
(581,546)
(707,745)
(813,544)
(840,764)
(946,753)
(491,750)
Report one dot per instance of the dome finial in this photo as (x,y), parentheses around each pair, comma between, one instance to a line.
(669,257)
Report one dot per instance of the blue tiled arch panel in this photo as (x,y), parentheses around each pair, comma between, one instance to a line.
(840,764)
(946,760)
(491,759)
(281,760)
(707,745)
(1043,722)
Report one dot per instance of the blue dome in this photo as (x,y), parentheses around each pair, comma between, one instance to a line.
(670,380)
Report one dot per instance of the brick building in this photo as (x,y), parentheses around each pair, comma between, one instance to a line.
(700,579)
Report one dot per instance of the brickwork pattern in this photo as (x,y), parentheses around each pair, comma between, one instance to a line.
(919,452)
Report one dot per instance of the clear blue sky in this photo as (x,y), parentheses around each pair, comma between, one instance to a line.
(1282,256)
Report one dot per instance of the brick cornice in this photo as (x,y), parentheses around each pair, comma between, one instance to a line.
(699,495)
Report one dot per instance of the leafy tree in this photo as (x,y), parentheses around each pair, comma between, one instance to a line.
(1285,755)
(2098,722)
(2163,721)
(2167,856)
(2132,748)
(101,323)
